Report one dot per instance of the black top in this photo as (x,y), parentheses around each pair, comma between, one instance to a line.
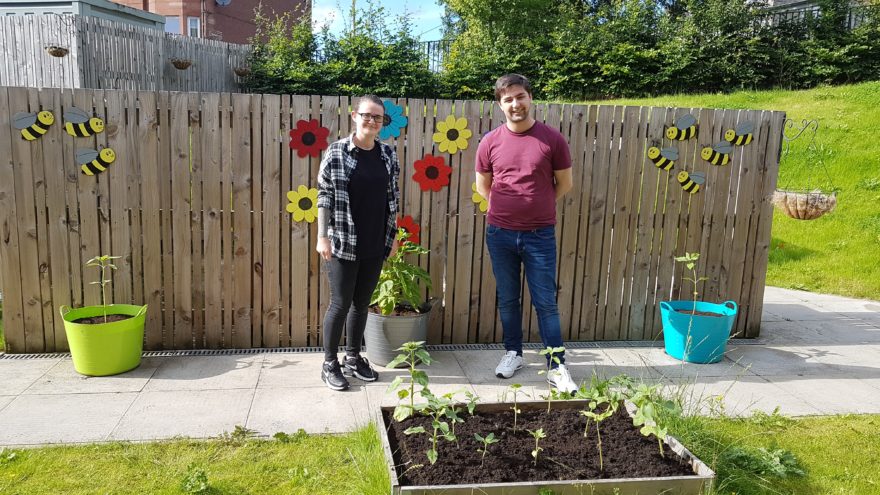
(367,192)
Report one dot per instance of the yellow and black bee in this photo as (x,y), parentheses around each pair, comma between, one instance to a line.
(685,128)
(691,182)
(742,135)
(718,154)
(33,125)
(663,158)
(78,124)
(93,162)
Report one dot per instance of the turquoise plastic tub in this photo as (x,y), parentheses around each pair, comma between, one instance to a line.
(708,335)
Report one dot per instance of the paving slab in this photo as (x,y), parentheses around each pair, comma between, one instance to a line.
(746,394)
(668,366)
(780,361)
(295,369)
(62,418)
(835,395)
(479,366)
(206,373)
(186,413)
(19,374)
(5,400)
(314,409)
(444,369)
(798,311)
(63,379)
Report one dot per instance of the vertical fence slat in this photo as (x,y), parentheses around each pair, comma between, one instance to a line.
(151,178)
(256,190)
(196,218)
(241,234)
(181,226)
(300,248)
(271,221)
(38,161)
(227,183)
(11,267)
(483,279)
(435,208)
(284,223)
(212,205)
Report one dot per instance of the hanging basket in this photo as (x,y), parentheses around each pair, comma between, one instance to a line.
(56,51)
(242,71)
(804,205)
(181,63)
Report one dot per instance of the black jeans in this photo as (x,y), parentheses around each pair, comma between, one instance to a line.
(351,287)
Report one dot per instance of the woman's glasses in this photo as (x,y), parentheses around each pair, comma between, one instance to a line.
(371,116)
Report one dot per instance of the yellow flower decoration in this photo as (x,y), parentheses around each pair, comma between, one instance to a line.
(479,199)
(303,204)
(452,134)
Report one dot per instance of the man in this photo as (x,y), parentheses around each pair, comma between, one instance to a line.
(523,167)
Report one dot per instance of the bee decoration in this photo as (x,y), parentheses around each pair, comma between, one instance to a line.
(93,162)
(690,182)
(79,124)
(663,158)
(742,135)
(33,125)
(685,128)
(718,154)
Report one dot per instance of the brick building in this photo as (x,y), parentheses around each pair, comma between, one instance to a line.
(231,21)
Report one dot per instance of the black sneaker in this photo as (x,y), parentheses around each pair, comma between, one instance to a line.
(360,368)
(331,374)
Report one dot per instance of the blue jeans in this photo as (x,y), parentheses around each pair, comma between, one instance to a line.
(536,251)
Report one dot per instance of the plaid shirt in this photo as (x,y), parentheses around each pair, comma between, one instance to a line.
(337,165)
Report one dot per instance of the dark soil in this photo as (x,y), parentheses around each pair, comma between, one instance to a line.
(567,454)
(699,313)
(95,320)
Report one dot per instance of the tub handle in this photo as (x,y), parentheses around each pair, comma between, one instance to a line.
(732,305)
(665,305)
(64,309)
(141,311)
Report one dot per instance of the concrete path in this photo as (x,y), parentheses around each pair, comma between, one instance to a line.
(810,343)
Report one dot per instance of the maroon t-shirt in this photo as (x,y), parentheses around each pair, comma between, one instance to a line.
(523,196)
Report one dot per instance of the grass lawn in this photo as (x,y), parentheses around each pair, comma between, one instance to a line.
(835,253)
(838,455)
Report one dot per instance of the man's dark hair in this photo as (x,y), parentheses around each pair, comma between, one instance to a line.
(369,98)
(509,80)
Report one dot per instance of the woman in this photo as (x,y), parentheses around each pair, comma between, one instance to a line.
(358,200)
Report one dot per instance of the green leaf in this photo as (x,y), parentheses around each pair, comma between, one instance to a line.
(394,383)
(400,359)
(432,456)
(401,412)
(420,377)
(412,430)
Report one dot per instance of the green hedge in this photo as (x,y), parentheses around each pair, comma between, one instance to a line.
(574,50)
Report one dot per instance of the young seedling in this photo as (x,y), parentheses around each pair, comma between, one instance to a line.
(104,262)
(538,434)
(472,400)
(553,358)
(516,410)
(437,408)
(487,441)
(598,395)
(690,261)
(452,412)
(411,354)
(649,414)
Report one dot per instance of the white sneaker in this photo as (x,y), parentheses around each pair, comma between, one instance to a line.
(508,365)
(561,379)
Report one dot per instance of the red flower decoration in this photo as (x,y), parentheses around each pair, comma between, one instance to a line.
(407,223)
(431,173)
(309,138)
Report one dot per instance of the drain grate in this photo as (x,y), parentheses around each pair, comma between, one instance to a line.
(436,347)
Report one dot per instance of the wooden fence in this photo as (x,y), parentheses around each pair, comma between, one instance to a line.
(195,203)
(105,54)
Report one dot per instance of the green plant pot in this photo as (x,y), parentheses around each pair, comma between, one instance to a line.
(105,348)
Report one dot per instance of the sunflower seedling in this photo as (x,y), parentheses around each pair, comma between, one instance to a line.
(553,358)
(411,354)
(602,403)
(104,262)
(538,434)
(437,409)
(487,441)
(516,410)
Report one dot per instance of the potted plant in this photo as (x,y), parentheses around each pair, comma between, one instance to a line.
(398,313)
(106,339)
(696,331)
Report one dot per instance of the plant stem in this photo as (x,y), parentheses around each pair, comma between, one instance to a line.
(599,445)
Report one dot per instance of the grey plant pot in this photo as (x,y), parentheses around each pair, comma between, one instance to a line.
(384,334)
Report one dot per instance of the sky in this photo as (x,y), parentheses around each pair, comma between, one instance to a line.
(425,15)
